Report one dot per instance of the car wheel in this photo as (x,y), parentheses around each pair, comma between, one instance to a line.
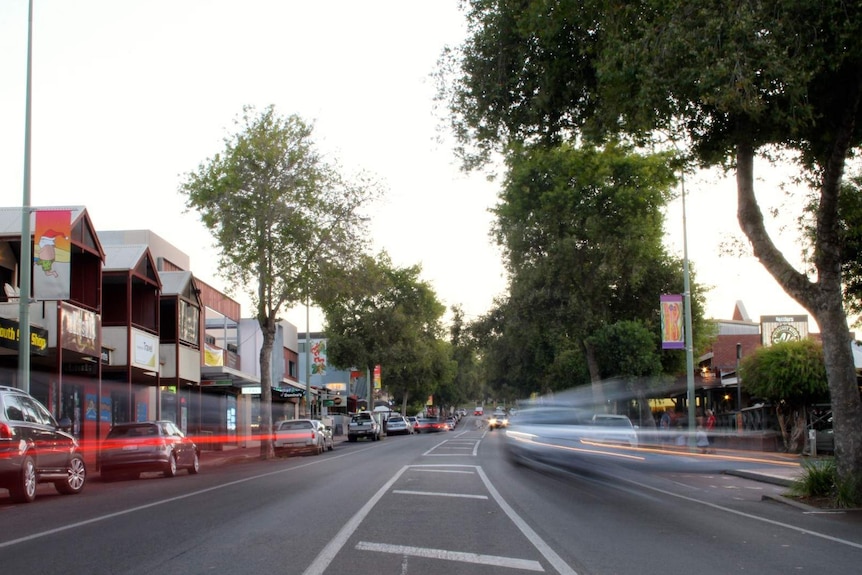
(24,491)
(171,468)
(196,463)
(76,477)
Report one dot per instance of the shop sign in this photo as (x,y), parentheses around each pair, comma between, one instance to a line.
(10,333)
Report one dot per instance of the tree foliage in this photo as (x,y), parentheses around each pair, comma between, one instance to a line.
(729,80)
(276,210)
(379,314)
(581,230)
(791,375)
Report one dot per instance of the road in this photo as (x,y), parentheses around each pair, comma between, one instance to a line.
(420,505)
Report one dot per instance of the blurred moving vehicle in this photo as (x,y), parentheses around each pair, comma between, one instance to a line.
(35,449)
(135,447)
(398,425)
(498,419)
(428,425)
(302,435)
(565,435)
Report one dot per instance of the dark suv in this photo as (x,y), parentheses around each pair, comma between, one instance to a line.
(34,449)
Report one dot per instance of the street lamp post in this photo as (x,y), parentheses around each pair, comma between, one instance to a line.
(689,340)
(26,265)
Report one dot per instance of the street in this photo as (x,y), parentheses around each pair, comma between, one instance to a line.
(439,503)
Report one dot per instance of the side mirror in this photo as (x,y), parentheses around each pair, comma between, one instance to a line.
(65,424)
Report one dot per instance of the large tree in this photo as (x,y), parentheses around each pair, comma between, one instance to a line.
(581,231)
(277,210)
(731,81)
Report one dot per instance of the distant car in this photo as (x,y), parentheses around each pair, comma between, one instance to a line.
(34,448)
(428,425)
(136,447)
(398,425)
(479,410)
(498,419)
(451,422)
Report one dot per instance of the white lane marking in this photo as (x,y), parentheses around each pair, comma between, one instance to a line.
(439,494)
(328,553)
(493,560)
(555,560)
(107,516)
(446,471)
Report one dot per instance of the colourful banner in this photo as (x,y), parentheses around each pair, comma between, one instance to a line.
(318,357)
(672,333)
(52,255)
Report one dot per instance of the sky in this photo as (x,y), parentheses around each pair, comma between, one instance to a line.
(130,95)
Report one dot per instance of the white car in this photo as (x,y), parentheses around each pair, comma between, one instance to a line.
(398,425)
(611,428)
(498,419)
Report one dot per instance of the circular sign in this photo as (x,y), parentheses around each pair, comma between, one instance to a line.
(783,333)
(336,400)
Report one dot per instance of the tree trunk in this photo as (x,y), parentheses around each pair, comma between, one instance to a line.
(267,451)
(595,377)
(823,299)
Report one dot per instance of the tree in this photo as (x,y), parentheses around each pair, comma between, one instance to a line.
(581,231)
(384,315)
(277,210)
(733,81)
(792,375)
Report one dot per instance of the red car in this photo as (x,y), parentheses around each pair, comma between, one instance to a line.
(426,425)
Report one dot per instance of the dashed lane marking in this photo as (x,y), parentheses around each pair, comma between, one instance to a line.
(438,494)
(461,557)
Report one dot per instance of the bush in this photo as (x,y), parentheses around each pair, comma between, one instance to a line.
(820,480)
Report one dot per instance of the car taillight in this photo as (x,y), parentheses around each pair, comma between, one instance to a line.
(6,431)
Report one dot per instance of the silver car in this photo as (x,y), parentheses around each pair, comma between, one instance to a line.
(398,425)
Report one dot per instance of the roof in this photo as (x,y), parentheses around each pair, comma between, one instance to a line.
(123,257)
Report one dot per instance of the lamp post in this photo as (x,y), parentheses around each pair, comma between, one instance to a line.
(26,265)
(689,343)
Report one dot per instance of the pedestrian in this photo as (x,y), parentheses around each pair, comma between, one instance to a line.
(665,424)
(701,439)
(710,427)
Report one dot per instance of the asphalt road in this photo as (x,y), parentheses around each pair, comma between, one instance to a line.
(447,503)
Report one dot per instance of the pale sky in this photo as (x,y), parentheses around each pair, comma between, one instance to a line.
(129,95)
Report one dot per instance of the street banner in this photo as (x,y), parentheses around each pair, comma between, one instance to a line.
(52,255)
(672,333)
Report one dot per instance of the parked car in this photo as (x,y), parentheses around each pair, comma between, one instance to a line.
(398,425)
(429,425)
(363,424)
(306,435)
(136,447)
(451,422)
(34,448)
(413,421)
